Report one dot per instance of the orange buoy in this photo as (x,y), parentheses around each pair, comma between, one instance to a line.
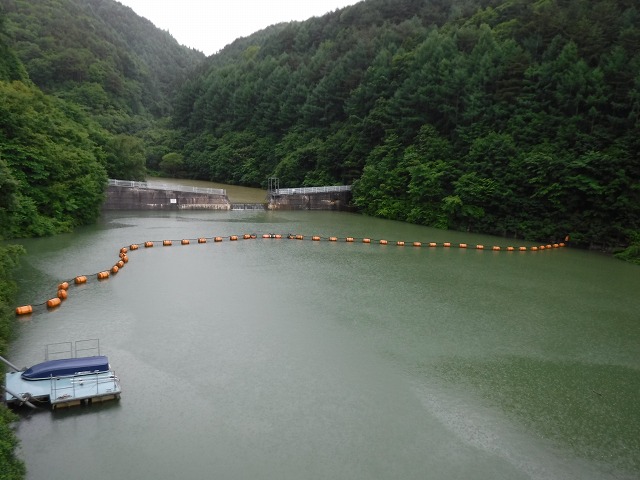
(400,243)
(266,235)
(80,279)
(133,247)
(54,302)
(417,244)
(446,244)
(299,237)
(561,244)
(202,240)
(148,244)
(510,249)
(333,239)
(185,241)
(120,264)
(63,286)
(233,238)
(125,259)
(463,245)
(315,238)
(496,248)
(114,269)
(246,236)
(217,239)
(103,275)
(62,294)
(534,249)
(523,249)
(24,310)
(277,235)
(167,243)
(542,247)
(123,250)
(548,246)
(366,240)
(433,244)
(479,247)
(555,245)
(349,239)
(383,242)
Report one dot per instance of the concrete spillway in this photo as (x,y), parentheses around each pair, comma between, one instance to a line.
(137,198)
(125,195)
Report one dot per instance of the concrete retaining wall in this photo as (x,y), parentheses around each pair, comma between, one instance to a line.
(127,198)
(312,201)
(134,198)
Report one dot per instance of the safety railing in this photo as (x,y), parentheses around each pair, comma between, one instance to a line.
(83,386)
(164,186)
(305,190)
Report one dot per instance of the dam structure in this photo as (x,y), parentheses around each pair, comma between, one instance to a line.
(132,195)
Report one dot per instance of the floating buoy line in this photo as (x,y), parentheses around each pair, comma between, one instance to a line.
(63,288)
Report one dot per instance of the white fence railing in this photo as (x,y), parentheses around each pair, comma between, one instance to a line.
(164,186)
(220,191)
(294,191)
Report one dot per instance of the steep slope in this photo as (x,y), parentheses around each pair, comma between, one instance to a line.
(118,68)
(52,162)
(98,53)
(507,117)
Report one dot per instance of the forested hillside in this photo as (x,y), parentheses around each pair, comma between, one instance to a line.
(85,92)
(118,66)
(99,54)
(516,118)
(52,172)
(512,117)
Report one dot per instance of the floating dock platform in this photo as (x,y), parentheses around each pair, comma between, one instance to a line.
(63,392)
(65,382)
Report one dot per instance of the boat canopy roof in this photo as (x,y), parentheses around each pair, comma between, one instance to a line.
(67,367)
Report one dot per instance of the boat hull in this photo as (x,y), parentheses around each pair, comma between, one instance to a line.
(67,367)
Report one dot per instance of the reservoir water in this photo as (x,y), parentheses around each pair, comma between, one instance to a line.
(289,359)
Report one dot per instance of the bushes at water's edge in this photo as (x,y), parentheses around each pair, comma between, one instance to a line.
(54,169)
(11,468)
(632,252)
(9,256)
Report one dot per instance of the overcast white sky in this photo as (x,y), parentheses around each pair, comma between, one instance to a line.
(210,25)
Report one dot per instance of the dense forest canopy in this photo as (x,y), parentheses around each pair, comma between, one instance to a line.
(100,55)
(512,117)
(85,92)
(516,118)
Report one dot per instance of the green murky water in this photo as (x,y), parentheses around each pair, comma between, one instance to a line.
(268,358)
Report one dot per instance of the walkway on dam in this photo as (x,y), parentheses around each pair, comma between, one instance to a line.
(133,195)
(221,191)
(163,186)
